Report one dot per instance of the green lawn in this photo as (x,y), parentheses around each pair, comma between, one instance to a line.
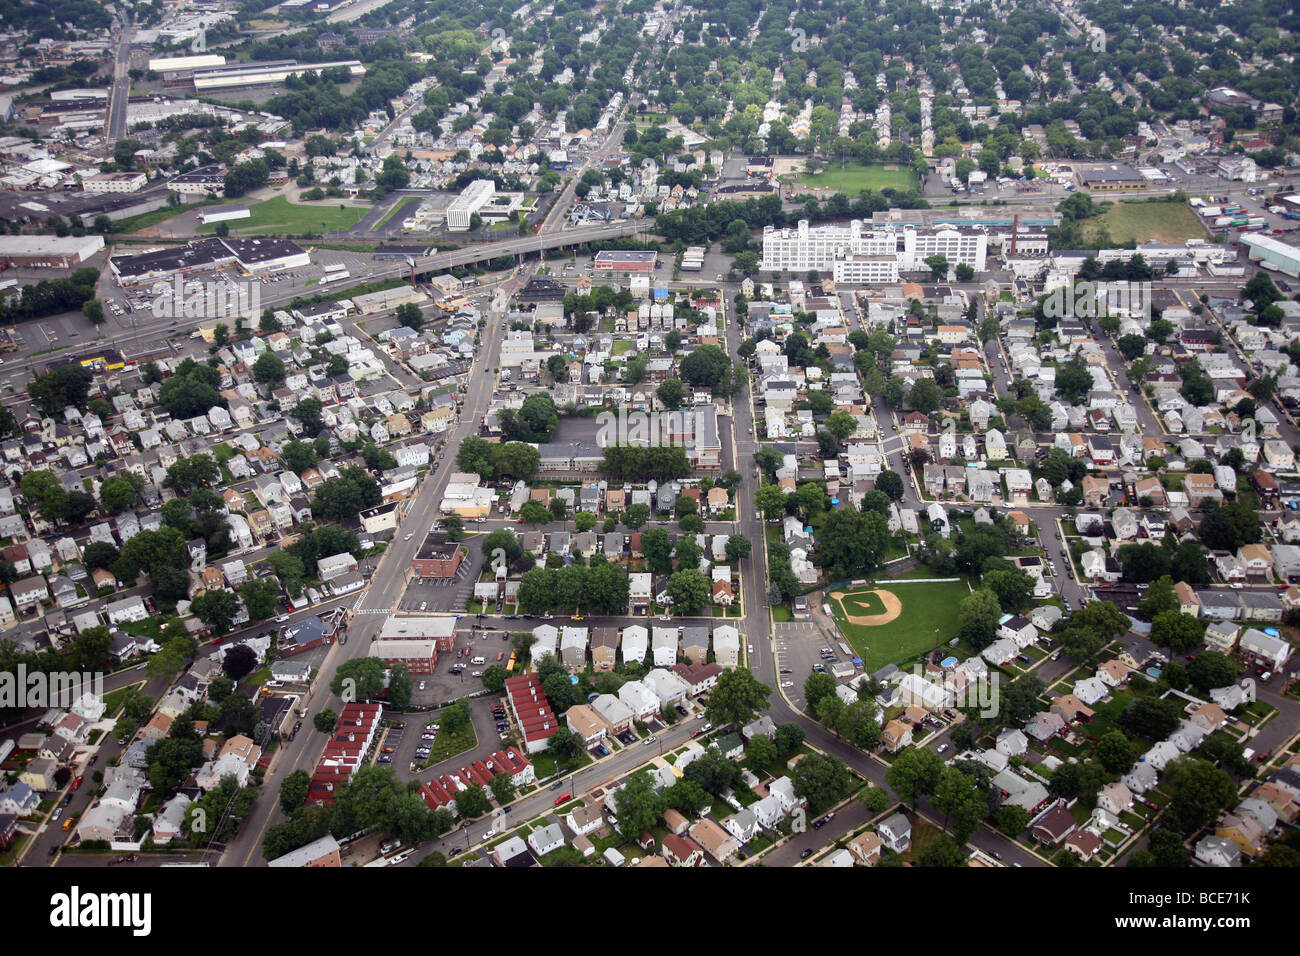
(448,745)
(1147,221)
(929,618)
(397,209)
(278,215)
(853,177)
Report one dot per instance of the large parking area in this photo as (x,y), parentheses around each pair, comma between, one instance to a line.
(802,648)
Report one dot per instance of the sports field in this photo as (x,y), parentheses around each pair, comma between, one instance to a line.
(1147,222)
(854,177)
(895,621)
(280,216)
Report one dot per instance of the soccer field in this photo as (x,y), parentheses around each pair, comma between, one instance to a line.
(854,178)
(928,619)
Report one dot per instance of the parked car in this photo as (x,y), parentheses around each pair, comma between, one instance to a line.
(562,798)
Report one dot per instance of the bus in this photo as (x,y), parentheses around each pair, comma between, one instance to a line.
(510,665)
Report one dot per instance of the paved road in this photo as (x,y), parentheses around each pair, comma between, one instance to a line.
(386,588)
(121,89)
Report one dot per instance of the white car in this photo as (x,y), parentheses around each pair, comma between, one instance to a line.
(787,683)
(489,833)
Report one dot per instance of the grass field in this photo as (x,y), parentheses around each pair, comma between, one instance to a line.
(1147,222)
(278,215)
(929,618)
(853,178)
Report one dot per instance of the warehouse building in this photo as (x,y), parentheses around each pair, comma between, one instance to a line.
(49,252)
(1273,254)
(208,255)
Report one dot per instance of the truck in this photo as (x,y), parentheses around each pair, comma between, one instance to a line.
(1222,221)
(1209,212)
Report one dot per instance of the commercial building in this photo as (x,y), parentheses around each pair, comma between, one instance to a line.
(200,182)
(437,558)
(1112,179)
(49,252)
(114,183)
(472,198)
(625,260)
(437,628)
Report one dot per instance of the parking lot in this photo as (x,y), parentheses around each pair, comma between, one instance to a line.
(802,648)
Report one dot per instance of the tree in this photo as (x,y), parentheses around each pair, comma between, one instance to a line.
(1142,563)
(690,591)
(400,686)
(942,852)
(924,396)
(1013,588)
(707,366)
(769,500)
(1153,718)
(852,542)
(1160,597)
(1102,618)
(269,370)
(239,662)
(657,548)
(736,698)
(361,678)
(216,608)
(1011,820)
(891,483)
(914,774)
(494,678)
(118,493)
(1177,631)
(738,547)
(858,724)
(293,789)
(977,615)
(1080,645)
(1201,792)
(841,424)
(671,393)
(410,316)
(822,779)
(817,686)
(1020,700)
(325,721)
(1114,752)
(961,802)
(636,516)
(637,806)
(565,743)
(503,789)
(1210,670)
(259,598)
